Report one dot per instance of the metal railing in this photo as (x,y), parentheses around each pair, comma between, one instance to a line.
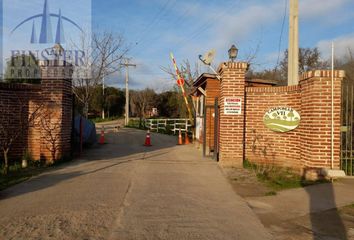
(347,129)
(168,125)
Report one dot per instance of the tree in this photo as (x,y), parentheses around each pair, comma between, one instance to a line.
(309,59)
(291,115)
(269,74)
(347,64)
(189,74)
(15,119)
(102,57)
(168,105)
(113,102)
(51,124)
(141,101)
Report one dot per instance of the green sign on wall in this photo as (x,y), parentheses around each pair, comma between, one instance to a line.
(281,119)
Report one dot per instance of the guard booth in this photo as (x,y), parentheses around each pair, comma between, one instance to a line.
(205,97)
(206,93)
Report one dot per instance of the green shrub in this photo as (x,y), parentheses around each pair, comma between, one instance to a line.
(27,156)
(99,120)
(278,178)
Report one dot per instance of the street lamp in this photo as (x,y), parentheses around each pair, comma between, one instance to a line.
(233,51)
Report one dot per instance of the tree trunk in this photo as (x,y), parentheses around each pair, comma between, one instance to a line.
(86,108)
(6,166)
(54,153)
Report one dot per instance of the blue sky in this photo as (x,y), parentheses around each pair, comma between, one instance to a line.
(188,28)
(154,28)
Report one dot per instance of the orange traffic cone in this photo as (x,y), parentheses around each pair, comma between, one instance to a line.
(102,136)
(148,139)
(186,140)
(180,142)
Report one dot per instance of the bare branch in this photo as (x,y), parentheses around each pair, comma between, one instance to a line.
(104,54)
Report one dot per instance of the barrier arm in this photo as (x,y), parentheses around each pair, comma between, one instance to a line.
(180,82)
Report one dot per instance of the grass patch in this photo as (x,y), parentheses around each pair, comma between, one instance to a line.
(277,178)
(350,206)
(271,193)
(17,174)
(100,120)
(347,210)
(135,123)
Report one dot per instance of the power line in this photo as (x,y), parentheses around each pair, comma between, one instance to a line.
(185,14)
(281,33)
(181,19)
(207,24)
(155,20)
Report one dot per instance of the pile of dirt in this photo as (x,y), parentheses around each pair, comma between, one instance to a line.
(245,182)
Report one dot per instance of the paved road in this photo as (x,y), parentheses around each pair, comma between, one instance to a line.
(123,190)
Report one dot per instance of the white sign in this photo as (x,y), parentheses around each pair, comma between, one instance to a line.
(281,119)
(232,105)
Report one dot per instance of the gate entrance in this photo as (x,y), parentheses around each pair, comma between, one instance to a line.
(211,130)
(347,144)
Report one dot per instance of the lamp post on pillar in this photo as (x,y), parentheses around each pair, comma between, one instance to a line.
(232,111)
(233,51)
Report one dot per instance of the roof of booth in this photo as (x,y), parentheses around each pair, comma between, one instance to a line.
(202,78)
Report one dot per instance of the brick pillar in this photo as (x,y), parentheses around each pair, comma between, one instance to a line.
(316,119)
(232,89)
(57,117)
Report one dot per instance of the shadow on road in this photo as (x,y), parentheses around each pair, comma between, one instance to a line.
(332,226)
(121,148)
(51,179)
(128,142)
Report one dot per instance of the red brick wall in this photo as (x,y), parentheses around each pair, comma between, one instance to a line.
(231,126)
(262,144)
(54,95)
(16,101)
(57,92)
(306,147)
(316,118)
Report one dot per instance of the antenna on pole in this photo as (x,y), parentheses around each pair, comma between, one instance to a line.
(207,59)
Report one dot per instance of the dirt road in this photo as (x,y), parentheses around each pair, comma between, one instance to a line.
(123,190)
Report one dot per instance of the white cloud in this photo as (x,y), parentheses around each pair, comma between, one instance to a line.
(342,44)
(317,8)
(243,24)
(201,26)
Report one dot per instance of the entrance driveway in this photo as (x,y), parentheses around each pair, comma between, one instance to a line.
(123,190)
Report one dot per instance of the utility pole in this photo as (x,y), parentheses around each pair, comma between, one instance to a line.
(103,113)
(293,49)
(127,65)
